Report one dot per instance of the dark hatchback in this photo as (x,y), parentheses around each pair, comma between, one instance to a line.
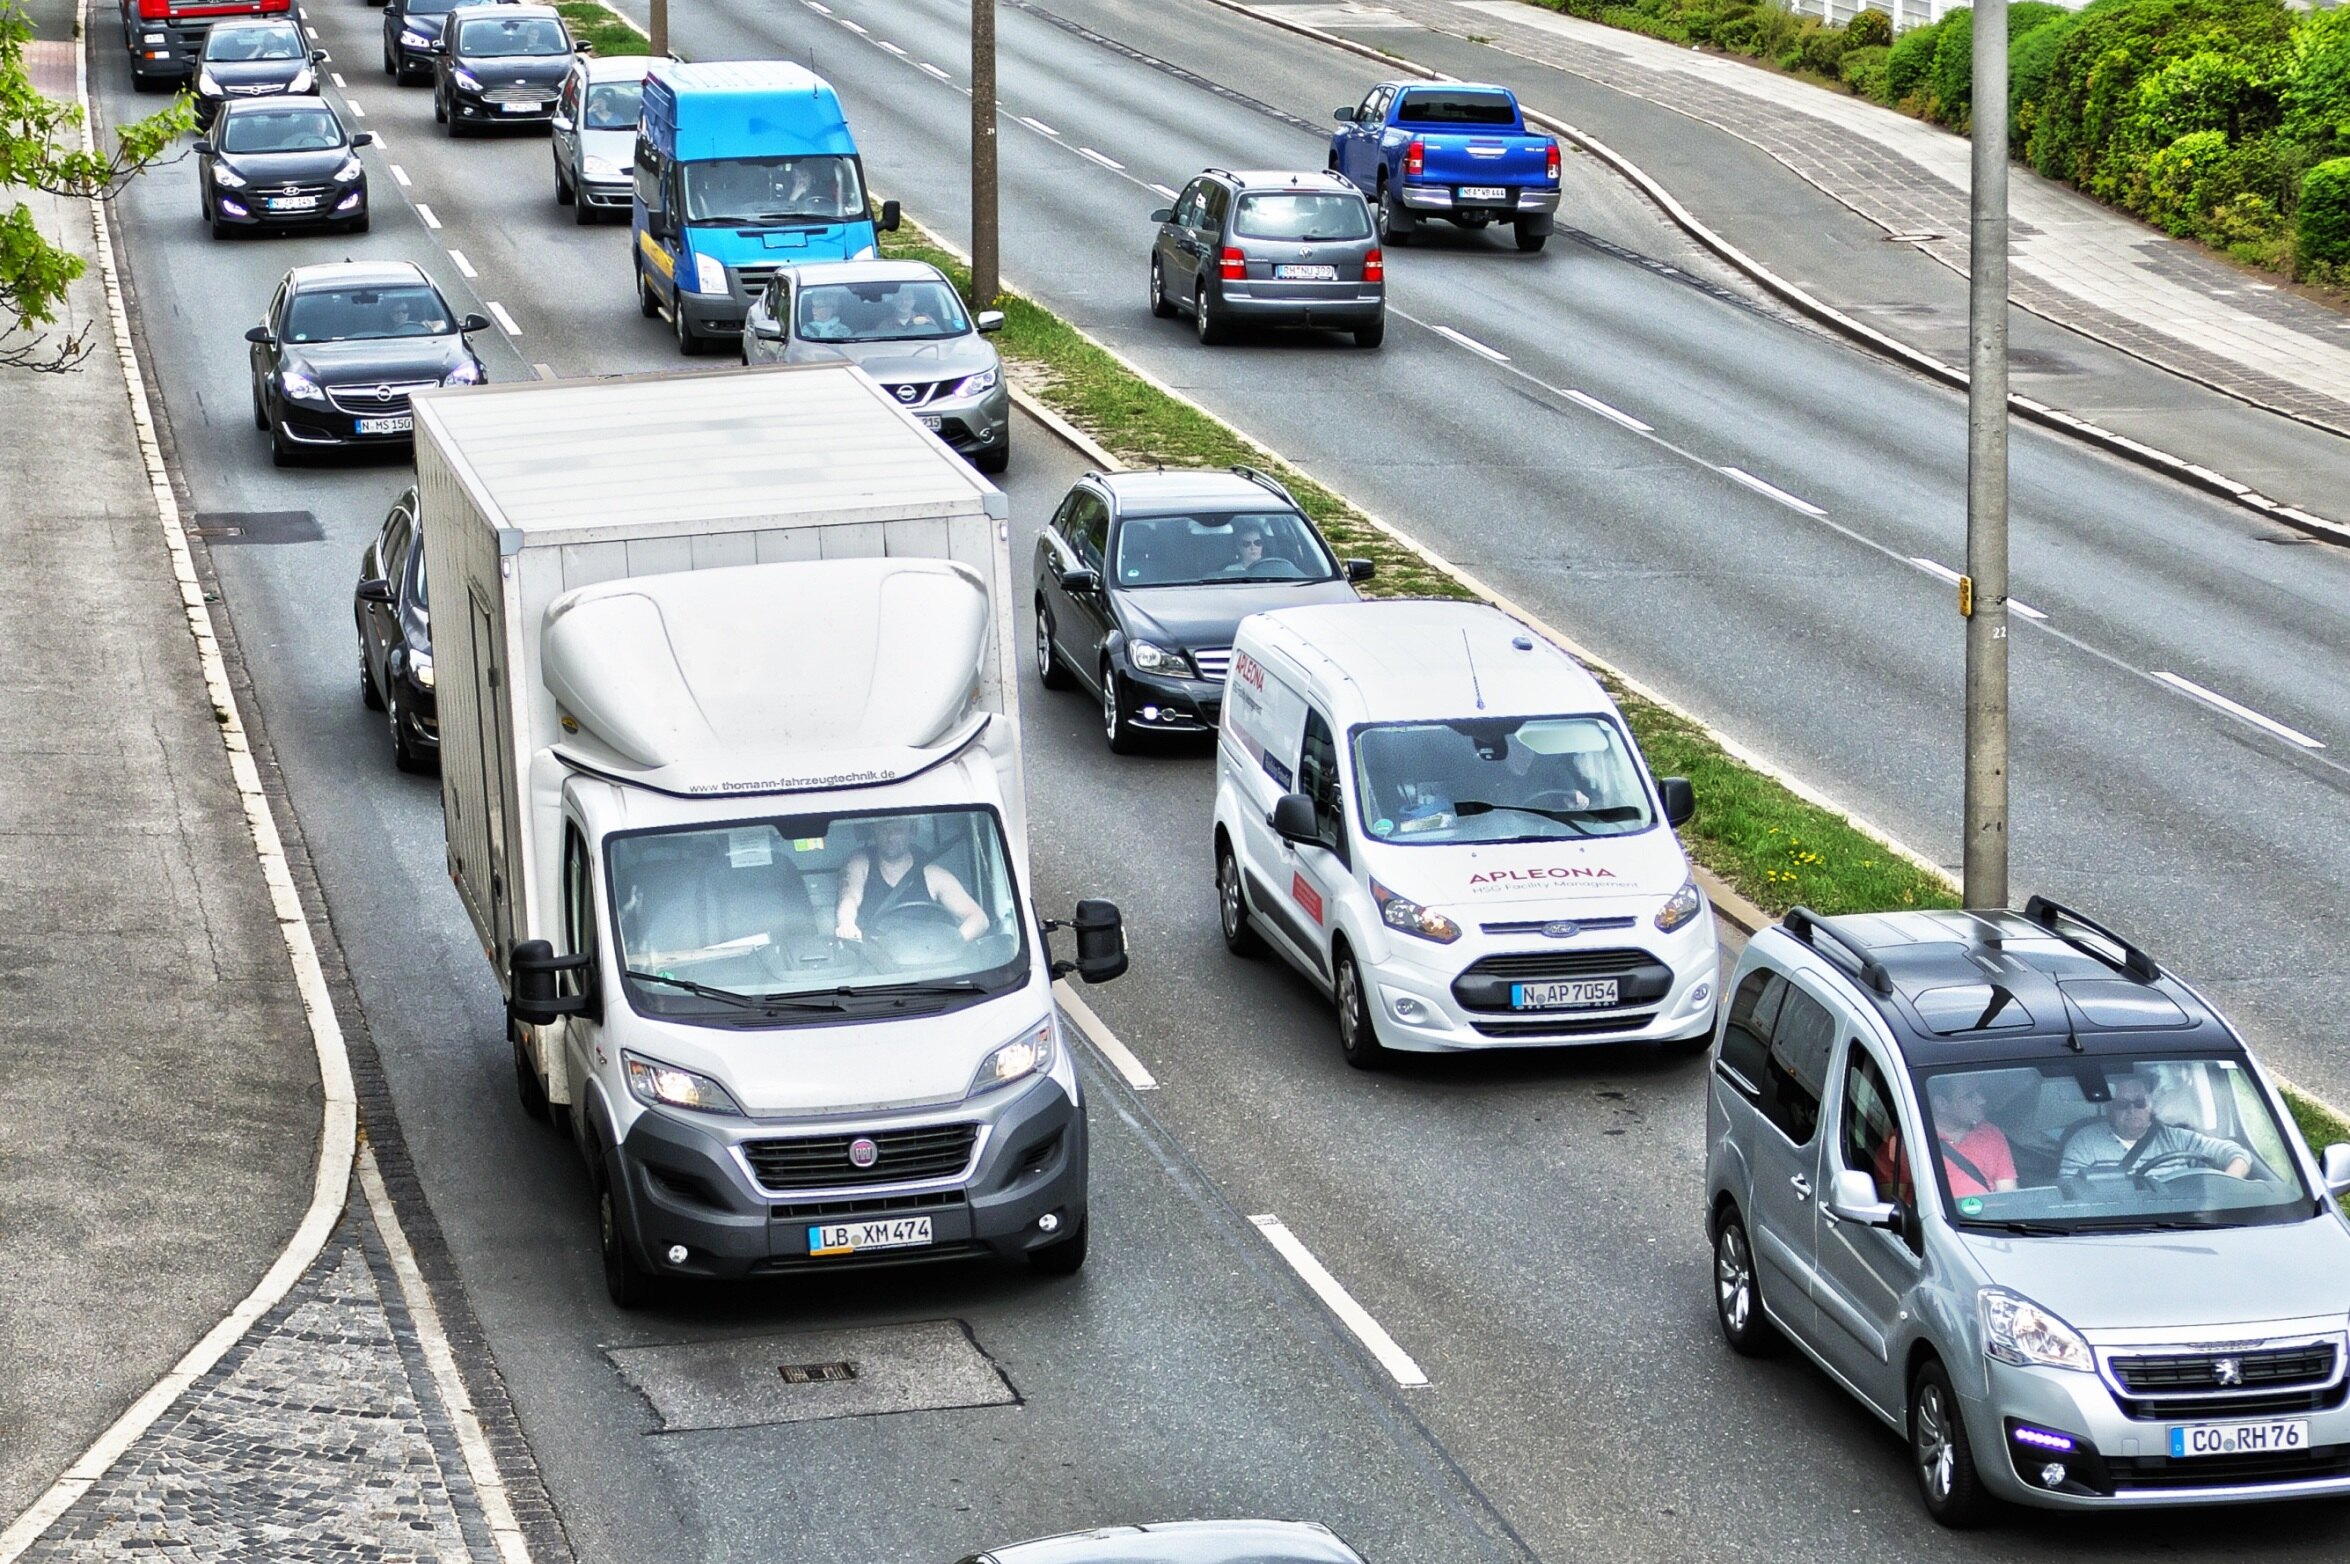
(341,349)
(392,611)
(257,59)
(411,28)
(500,64)
(1142,578)
(282,163)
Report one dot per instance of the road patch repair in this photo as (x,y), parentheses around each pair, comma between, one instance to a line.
(753,1381)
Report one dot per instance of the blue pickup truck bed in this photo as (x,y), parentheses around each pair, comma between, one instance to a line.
(1459,152)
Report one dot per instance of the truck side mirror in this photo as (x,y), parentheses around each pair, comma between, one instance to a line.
(537,970)
(1344,116)
(2337,1169)
(890,212)
(1853,1198)
(375,589)
(1101,941)
(1680,799)
(1293,819)
(1360,570)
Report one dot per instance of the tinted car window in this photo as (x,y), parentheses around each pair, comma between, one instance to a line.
(281,130)
(1219,202)
(614,105)
(512,36)
(1221,546)
(1797,1072)
(1425,107)
(1302,217)
(1746,1038)
(1089,529)
(349,314)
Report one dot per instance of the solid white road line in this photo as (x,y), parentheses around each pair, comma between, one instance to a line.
(504,320)
(425,212)
(1039,126)
(1472,344)
(935,71)
(2238,709)
(1936,568)
(1773,491)
(1605,411)
(1340,1302)
(464,266)
(1163,190)
(400,175)
(1110,163)
(1105,1041)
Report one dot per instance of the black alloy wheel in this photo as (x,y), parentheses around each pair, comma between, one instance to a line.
(1049,671)
(1737,1292)
(405,754)
(371,694)
(1358,1031)
(1240,935)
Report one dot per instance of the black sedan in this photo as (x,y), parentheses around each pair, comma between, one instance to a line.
(282,163)
(411,29)
(500,64)
(1183,1542)
(256,59)
(391,608)
(342,348)
(1142,577)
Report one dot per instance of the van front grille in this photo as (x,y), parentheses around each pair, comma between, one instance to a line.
(825,1161)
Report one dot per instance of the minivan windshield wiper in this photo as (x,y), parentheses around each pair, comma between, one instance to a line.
(727,996)
(2028,1229)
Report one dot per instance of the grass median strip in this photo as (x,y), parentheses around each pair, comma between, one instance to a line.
(602,27)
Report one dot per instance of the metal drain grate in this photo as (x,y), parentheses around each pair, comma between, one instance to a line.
(816,1373)
(257,526)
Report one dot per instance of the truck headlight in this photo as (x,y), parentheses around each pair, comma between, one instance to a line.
(1031,1053)
(2017,1330)
(1150,657)
(709,274)
(420,666)
(1681,906)
(974,385)
(665,1085)
(1406,916)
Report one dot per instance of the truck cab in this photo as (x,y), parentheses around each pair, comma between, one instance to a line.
(1458,152)
(165,37)
(741,167)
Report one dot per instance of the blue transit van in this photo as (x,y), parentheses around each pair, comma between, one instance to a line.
(741,167)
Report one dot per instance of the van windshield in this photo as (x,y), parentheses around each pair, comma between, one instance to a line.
(2109,1144)
(781,920)
(759,191)
(1498,779)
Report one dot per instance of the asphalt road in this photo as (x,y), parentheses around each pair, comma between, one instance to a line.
(1525,1227)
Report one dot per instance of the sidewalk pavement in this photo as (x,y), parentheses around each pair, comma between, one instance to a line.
(161,1125)
(1726,135)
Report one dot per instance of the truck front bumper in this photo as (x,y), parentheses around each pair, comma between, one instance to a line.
(687,1184)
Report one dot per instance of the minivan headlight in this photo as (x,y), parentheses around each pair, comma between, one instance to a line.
(665,1085)
(1409,917)
(1031,1053)
(1681,906)
(2017,1330)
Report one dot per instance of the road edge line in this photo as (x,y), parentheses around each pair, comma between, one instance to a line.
(1105,1042)
(339,1127)
(2199,478)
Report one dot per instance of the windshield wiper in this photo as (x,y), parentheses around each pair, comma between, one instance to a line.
(2027,1229)
(726,996)
(1565,817)
(931,986)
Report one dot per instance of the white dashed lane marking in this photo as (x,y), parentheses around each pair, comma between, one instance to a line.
(2238,709)
(1944,572)
(464,266)
(1772,491)
(1110,163)
(425,212)
(1340,1302)
(1582,399)
(1471,343)
(504,320)
(1039,126)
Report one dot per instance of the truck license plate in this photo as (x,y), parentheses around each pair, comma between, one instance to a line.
(2192,1439)
(292,203)
(1568,994)
(404,424)
(1485,193)
(1305,273)
(905,1232)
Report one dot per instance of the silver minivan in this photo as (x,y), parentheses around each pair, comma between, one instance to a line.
(594,133)
(2118,1277)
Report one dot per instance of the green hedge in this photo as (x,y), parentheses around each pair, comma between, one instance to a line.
(2323,223)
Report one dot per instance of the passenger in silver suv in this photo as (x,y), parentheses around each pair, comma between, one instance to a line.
(2028,1197)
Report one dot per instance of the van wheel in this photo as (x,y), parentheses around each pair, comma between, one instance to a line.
(1049,671)
(646,305)
(1065,1258)
(527,1084)
(630,1284)
(1358,1032)
(1115,728)
(1372,335)
(1738,1292)
(1160,307)
(689,342)
(1945,1462)
(564,194)
(1240,936)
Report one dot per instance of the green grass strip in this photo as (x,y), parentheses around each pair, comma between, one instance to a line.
(1779,850)
(602,27)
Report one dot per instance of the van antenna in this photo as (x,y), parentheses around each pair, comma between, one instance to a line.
(1475,687)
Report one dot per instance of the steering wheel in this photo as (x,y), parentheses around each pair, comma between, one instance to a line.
(2143,1173)
(1272,565)
(1565,798)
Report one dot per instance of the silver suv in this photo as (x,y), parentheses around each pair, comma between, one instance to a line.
(2117,1279)
(1270,249)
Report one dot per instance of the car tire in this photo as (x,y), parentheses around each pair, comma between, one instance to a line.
(581,213)
(1240,935)
(1210,329)
(217,228)
(1358,1028)
(997,459)
(1116,730)
(1940,1453)
(646,305)
(357,225)
(627,1282)
(440,108)
(1738,1291)
(371,694)
(566,194)
(260,413)
(1161,308)
(282,451)
(1531,237)
(405,755)
(1372,335)
(1049,671)
(1395,226)
(392,63)
(1065,1258)
(688,344)
(527,1084)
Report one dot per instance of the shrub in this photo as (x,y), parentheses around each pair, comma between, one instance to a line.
(2031,57)
(1864,71)
(2322,229)
(1868,30)
(1819,49)
(2176,178)
(1952,79)
(1911,63)
(2317,97)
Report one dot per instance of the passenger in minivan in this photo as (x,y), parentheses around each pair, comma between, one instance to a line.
(1976,1158)
(2132,1140)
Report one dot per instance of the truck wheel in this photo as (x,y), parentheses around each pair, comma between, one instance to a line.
(1049,671)
(1065,1258)
(1395,224)
(688,343)
(1358,1032)
(1531,236)
(527,1084)
(1115,728)
(630,1285)
(1738,1293)
(1160,307)
(1240,936)
(1945,1462)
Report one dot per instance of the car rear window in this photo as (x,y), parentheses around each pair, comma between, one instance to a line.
(1424,107)
(1305,217)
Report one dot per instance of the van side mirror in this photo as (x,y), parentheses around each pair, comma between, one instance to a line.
(2336,1168)
(1680,799)
(375,589)
(657,223)
(988,320)
(203,149)
(890,213)
(1101,941)
(1853,1198)
(1293,819)
(537,971)
(363,138)
(1360,570)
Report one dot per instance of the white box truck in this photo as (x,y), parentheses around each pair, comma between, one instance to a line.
(731,776)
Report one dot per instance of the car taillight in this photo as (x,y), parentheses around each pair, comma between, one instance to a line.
(1235,265)
(1374,267)
(154,10)
(1415,157)
(1551,165)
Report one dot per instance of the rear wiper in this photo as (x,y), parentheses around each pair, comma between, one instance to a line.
(1565,817)
(727,996)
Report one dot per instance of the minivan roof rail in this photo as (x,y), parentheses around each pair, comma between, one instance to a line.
(1266,480)
(1806,926)
(2132,960)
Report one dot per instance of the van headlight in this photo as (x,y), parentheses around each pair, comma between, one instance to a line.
(1150,657)
(2017,1330)
(1031,1053)
(665,1085)
(600,168)
(1406,916)
(1681,906)
(709,274)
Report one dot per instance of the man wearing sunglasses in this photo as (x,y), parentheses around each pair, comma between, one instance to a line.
(2132,1140)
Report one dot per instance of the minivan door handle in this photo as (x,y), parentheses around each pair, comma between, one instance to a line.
(1802,1186)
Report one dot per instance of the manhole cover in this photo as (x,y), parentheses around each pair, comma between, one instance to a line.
(808,1377)
(257,526)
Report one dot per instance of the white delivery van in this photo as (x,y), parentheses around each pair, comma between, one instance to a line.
(731,778)
(1441,819)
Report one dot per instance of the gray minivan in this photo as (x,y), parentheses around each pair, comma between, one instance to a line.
(2117,1278)
(1270,249)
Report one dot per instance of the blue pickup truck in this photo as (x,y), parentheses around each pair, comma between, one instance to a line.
(1456,151)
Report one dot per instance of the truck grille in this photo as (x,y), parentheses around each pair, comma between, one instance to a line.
(376,401)
(1214,662)
(822,1161)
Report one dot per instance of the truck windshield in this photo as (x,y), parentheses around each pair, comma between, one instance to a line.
(782,920)
(1498,779)
(756,191)
(2103,1144)
(1427,107)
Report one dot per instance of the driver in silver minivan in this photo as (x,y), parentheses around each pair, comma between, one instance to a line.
(2132,1139)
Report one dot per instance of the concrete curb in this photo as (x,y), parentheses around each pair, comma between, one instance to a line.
(1804,303)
